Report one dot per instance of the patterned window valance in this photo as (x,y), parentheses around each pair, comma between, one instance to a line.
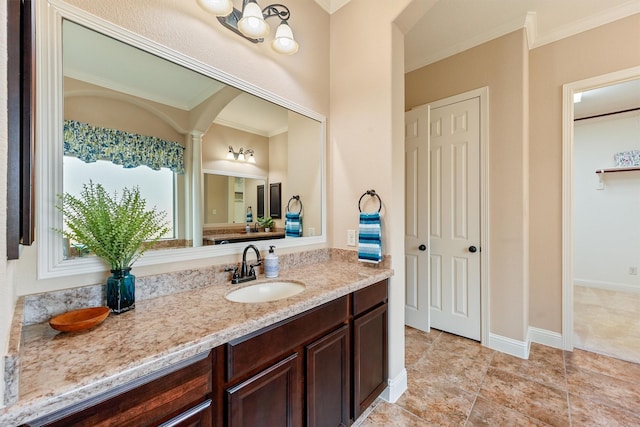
(90,143)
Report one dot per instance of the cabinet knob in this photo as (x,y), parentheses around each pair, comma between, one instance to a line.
(422,247)
(473,249)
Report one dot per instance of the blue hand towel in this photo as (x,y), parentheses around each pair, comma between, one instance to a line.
(293,224)
(369,238)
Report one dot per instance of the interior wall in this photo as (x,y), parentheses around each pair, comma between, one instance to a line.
(605,49)
(215,146)
(366,138)
(112,109)
(500,64)
(303,180)
(606,241)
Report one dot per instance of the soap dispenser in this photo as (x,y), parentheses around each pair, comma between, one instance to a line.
(271,264)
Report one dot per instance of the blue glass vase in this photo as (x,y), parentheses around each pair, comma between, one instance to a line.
(121,291)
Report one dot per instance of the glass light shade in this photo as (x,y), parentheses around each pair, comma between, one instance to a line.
(230,155)
(252,23)
(241,156)
(284,41)
(251,159)
(217,7)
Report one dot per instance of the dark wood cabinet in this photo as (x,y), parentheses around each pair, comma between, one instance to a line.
(200,415)
(179,396)
(370,347)
(270,398)
(288,372)
(328,379)
(320,368)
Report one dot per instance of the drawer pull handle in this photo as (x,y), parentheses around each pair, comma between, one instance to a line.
(175,421)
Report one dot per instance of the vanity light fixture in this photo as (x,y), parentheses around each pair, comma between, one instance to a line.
(241,155)
(251,23)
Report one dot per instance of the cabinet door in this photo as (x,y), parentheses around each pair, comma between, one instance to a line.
(272,397)
(328,380)
(369,358)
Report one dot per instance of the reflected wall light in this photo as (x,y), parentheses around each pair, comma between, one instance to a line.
(242,155)
(251,23)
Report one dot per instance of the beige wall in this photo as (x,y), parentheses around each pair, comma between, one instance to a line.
(215,145)
(501,65)
(304,177)
(366,138)
(603,50)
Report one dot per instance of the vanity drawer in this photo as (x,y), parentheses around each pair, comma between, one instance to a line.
(369,297)
(254,351)
(162,398)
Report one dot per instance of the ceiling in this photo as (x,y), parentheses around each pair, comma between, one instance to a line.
(452,26)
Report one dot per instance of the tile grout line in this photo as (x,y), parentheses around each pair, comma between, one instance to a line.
(475,398)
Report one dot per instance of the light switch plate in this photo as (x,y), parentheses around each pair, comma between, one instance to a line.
(351,237)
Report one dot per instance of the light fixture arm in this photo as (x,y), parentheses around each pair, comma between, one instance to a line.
(231,21)
(279,10)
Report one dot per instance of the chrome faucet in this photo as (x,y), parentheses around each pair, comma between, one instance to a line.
(247,272)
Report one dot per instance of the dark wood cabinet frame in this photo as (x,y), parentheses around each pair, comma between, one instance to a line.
(275,201)
(20,115)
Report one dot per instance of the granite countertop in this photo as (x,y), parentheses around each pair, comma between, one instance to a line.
(58,369)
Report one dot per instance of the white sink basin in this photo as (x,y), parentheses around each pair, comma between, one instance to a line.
(266,291)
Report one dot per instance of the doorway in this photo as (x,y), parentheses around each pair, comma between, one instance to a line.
(600,253)
(446,245)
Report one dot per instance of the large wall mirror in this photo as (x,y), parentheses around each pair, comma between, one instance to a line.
(121,111)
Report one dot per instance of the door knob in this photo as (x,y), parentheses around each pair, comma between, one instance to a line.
(422,247)
(473,249)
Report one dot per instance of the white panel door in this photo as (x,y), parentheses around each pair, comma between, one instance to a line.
(416,218)
(454,228)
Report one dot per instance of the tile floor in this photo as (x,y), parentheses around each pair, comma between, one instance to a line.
(607,322)
(454,381)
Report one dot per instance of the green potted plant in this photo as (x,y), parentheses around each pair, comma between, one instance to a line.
(118,230)
(266,222)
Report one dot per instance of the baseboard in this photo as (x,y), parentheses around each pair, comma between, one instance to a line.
(395,387)
(609,286)
(509,346)
(545,337)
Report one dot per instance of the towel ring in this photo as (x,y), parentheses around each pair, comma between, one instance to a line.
(296,197)
(371,193)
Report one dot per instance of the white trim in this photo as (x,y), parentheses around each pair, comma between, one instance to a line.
(609,286)
(476,40)
(49,99)
(395,387)
(534,39)
(509,346)
(568,90)
(483,94)
(545,337)
(601,18)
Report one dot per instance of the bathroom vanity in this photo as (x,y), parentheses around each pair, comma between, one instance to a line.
(195,358)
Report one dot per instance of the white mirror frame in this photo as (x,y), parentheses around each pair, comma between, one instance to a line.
(49,141)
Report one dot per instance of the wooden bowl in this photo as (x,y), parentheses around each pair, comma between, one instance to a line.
(79,320)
